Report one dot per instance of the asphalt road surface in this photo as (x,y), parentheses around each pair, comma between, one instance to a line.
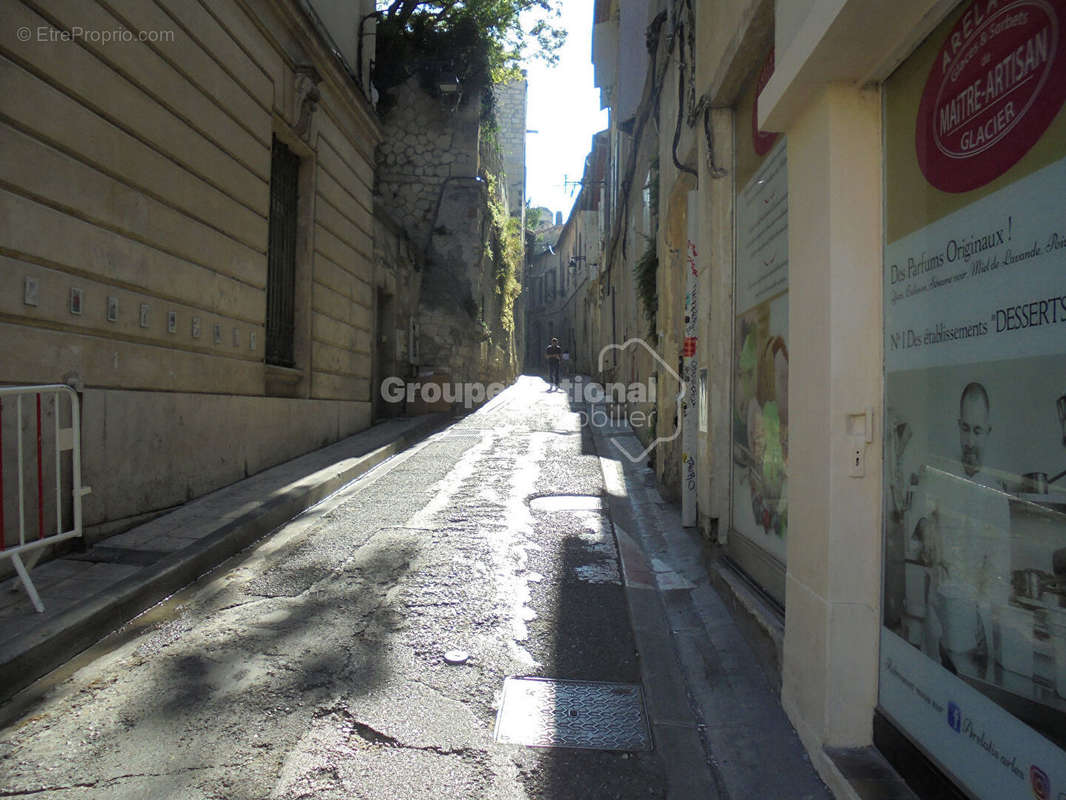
(313,665)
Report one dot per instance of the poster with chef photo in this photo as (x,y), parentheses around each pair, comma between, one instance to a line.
(976,526)
(973,662)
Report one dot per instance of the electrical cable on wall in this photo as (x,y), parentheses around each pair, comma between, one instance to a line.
(680,111)
(679,33)
(681,38)
(653,38)
(701,107)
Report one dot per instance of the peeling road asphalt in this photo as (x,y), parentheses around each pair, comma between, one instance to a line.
(312,665)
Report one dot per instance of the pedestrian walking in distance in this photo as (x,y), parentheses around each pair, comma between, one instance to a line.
(554,353)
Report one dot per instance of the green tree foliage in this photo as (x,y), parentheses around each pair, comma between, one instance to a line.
(483,41)
(532,217)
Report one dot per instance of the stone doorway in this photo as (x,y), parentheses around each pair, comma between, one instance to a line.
(386,362)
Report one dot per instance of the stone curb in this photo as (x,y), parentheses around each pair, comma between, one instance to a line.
(27,657)
(670,715)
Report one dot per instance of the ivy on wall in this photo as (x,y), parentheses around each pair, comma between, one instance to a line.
(507,285)
(507,251)
(646,272)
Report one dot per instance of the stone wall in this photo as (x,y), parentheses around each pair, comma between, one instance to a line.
(511,133)
(398,269)
(427,143)
(434,170)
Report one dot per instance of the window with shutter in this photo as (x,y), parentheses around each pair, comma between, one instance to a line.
(281,256)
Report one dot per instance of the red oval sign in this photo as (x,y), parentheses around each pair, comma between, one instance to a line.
(995,87)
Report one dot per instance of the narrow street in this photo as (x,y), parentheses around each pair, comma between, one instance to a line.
(312,666)
(320,663)
(288,509)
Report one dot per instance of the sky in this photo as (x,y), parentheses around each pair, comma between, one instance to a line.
(563,107)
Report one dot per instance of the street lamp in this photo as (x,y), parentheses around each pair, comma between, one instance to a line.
(448,83)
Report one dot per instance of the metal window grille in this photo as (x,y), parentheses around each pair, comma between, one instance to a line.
(281,256)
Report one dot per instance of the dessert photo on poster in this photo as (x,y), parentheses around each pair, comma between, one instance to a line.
(760,358)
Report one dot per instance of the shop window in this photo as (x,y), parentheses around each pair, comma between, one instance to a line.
(759,509)
(973,638)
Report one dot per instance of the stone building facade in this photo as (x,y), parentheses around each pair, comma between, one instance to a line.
(561,289)
(836,212)
(135,222)
(510,112)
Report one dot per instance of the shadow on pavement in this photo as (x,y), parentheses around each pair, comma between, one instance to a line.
(218,692)
(583,633)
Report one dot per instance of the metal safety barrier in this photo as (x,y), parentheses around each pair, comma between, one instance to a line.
(43,454)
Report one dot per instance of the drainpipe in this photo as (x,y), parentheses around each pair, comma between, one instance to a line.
(359,50)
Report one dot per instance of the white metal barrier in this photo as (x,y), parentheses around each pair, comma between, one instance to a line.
(36,534)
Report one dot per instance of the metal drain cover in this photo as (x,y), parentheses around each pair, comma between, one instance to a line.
(541,712)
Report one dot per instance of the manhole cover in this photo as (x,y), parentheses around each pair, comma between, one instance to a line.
(541,712)
(566,502)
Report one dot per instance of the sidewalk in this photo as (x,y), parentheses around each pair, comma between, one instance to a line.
(88,595)
(707,695)
(722,652)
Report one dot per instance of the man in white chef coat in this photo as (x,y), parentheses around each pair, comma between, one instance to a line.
(964,538)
